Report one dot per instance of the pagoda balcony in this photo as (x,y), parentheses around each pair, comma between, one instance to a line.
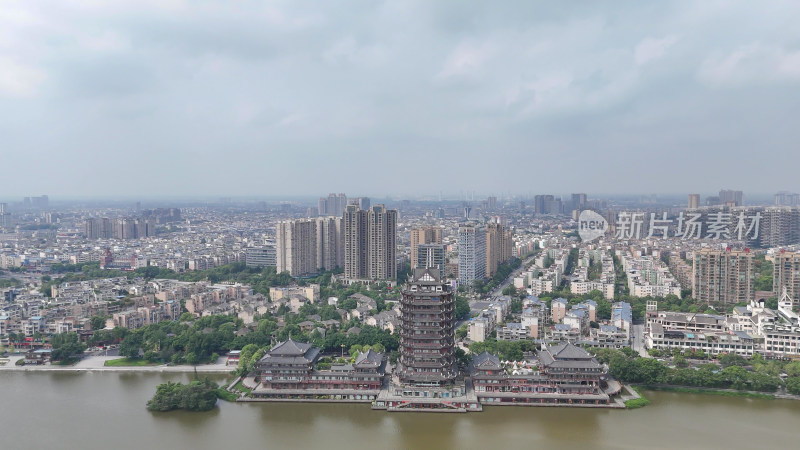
(426,345)
(427,364)
(422,336)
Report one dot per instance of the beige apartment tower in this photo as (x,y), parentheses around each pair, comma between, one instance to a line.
(694,201)
(423,235)
(722,276)
(786,276)
(296,247)
(499,247)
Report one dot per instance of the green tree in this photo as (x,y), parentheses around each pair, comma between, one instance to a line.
(97,322)
(257,357)
(192,358)
(66,346)
(731,359)
(130,345)
(461,308)
(198,395)
(793,385)
(792,369)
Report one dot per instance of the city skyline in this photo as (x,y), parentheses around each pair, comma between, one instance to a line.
(178,93)
(453,196)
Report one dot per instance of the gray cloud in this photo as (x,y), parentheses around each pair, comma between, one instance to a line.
(282,98)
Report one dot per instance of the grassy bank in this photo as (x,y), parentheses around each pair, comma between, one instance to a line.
(692,390)
(226,395)
(635,403)
(67,362)
(125,362)
(242,388)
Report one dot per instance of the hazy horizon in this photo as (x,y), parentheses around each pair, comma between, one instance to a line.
(312,199)
(181,99)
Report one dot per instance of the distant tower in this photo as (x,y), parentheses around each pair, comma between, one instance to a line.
(694,201)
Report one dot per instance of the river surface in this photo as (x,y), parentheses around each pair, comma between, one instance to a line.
(107,410)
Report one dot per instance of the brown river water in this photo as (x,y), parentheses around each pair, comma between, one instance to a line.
(107,411)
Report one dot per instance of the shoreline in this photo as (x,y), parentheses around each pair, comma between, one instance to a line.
(718,391)
(97,364)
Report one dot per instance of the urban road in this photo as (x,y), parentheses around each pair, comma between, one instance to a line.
(499,289)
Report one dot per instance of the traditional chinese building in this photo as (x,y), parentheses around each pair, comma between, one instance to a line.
(427,377)
(290,370)
(564,374)
(427,337)
(287,365)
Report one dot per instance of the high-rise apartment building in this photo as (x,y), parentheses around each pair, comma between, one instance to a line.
(471,254)
(784,198)
(98,228)
(121,228)
(370,241)
(542,203)
(381,243)
(354,225)
(779,226)
(579,202)
(6,220)
(723,276)
(265,256)
(730,198)
(427,334)
(423,235)
(41,201)
(786,276)
(296,247)
(499,247)
(547,204)
(429,255)
(330,243)
(362,202)
(694,201)
(333,205)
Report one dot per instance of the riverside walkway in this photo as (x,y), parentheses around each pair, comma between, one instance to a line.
(97,364)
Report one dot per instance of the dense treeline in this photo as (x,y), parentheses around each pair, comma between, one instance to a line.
(762,376)
(763,270)
(503,271)
(10,282)
(66,346)
(196,341)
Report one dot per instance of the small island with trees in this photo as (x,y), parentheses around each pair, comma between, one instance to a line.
(197,395)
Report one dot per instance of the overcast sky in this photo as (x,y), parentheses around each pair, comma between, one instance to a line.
(169,97)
